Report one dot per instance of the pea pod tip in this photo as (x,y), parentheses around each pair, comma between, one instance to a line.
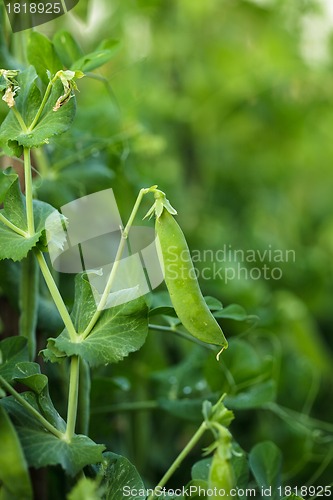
(220,352)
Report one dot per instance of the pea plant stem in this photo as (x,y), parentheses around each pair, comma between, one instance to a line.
(74,366)
(28,191)
(42,105)
(72,397)
(19,118)
(54,291)
(84,398)
(106,292)
(45,423)
(28,302)
(190,445)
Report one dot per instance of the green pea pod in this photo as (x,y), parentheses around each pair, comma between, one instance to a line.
(221,474)
(182,283)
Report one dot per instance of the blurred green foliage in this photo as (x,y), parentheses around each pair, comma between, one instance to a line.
(230,114)
(220,103)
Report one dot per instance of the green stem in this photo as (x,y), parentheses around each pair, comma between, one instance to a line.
(73,397)
(183,335)
(43,103)
(84,398)
(28,302)
(28,191)
(190,445)
(115,266)
(19,119)
(45,423)
(57,297)
(12,226)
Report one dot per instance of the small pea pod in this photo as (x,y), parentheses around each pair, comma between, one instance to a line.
(182,283)
(221,473)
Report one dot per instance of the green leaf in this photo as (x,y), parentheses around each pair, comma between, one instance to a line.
(14,476)
(120,478)
(51,122)
(168,310)
(265,462)
(163,311)
(213,303)
(27,104)
(52,353)
(85,489)
(95,59)
(243,361)
(217,413)
(66,48)
(13,350)
(28,373)
(194,489)
(235,312)
(255,397)
(28,101)
(119,330)
(13,245)
(42,448)
(200,470)
(42,55)
(7,177)
(42,211)
(109,44)
(14,203)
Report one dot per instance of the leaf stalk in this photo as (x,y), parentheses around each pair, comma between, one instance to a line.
(182,455)
(73,397)
(54,291)
(28,191)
